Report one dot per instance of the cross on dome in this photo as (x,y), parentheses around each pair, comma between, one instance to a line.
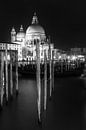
(35,19)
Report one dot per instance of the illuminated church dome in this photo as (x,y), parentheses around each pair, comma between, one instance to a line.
(20,35)
(35,31)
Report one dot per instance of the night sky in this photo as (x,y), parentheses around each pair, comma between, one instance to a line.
(64,21)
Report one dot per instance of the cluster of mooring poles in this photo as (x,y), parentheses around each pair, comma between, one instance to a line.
(8,86)
(46,79)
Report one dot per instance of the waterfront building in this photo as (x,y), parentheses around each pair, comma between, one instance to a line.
(76,51)
(26,41)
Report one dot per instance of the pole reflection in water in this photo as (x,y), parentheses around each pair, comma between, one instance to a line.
(66,110)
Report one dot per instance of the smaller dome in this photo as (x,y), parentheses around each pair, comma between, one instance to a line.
(13,31)
(20,35)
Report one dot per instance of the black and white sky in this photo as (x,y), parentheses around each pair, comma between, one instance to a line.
(63,20)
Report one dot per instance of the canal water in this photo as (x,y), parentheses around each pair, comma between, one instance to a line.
(65,111)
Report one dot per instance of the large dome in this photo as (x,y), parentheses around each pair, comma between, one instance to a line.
(35,30)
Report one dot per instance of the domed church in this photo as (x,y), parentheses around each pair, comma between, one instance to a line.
(27,46)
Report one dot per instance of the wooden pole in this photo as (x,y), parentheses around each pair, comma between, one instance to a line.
(45,80)
(50,66)
(53,69)
(61,66)
(68,64)
(6,73)
(11,75)
(16,72)
(1,78)
(38,79)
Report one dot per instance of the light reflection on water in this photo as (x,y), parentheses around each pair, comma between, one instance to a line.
(66,110)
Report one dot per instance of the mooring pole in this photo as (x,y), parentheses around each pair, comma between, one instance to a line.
(6,72)
(45,80)
(38,79)
(11,75)
(61,66)
(65,64)
(16,71)
(50,68)
(53,69)
(1,78)
(68,65)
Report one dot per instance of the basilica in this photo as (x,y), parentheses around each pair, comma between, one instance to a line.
(25,40)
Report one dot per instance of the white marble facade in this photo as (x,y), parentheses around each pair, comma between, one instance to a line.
(26,45)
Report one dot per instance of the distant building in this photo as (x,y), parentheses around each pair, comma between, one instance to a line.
(76,51)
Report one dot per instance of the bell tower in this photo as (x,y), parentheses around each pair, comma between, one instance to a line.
(13,35)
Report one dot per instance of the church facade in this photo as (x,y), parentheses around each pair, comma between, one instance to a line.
(26,41)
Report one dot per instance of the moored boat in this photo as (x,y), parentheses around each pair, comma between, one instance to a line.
(59,71)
